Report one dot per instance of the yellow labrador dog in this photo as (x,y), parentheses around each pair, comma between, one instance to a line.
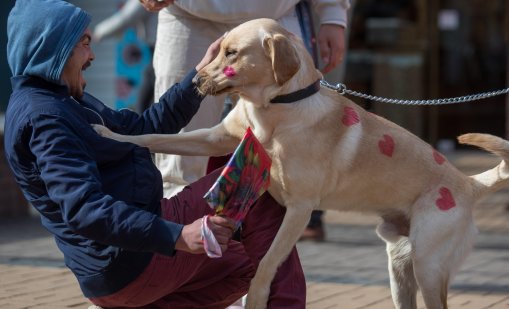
(329,153)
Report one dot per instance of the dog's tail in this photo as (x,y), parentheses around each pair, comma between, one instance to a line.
(497,177)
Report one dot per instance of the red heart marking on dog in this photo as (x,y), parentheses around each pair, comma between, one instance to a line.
(386,145)
(229,71)
(350,117)
(446,200)
(439,158)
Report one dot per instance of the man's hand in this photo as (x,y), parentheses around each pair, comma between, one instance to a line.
(155,5)
(190,238)
(211,53)
(331,43)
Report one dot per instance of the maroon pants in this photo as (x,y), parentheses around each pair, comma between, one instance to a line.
(196,281)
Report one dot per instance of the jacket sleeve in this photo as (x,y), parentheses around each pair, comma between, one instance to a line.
(72,180)
(174,111)
(332,11)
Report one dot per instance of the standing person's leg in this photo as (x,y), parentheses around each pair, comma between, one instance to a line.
(315,230)
(181,43)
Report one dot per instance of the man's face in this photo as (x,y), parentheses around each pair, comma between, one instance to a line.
(80,59)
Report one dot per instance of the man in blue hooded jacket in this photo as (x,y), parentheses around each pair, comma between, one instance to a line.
(102,199)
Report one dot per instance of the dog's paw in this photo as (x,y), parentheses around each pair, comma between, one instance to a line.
(257,298)
(102,130)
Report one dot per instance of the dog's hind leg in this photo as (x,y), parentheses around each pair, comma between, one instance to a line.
(432,275)
(294,223)
(401,271)
(440,239)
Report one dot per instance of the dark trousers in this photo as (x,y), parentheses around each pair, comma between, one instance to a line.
(197,281)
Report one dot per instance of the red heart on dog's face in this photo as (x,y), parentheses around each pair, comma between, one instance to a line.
(446,200)
(439,158)
(386,145)
(350,116)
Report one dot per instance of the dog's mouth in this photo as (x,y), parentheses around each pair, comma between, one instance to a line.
(216,92)
(204,90)
(227,89)
(207,86)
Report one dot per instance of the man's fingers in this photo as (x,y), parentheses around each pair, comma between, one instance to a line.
(325,56)
(155,5)
(222,240)
(222,228)
(191,241)
(215,47)
(159,5)
(210,54)
(331,56)
(330,62)
(331,42)
(223,233)
(223,221)
(223,248)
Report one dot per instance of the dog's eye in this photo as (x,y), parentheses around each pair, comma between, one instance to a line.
(230,53)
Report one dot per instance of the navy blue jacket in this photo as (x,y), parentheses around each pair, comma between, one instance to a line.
(99,197)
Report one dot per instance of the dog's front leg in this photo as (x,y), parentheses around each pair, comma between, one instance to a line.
(294,222)
(213,141)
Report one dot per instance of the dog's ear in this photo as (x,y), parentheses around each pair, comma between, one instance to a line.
(285,62)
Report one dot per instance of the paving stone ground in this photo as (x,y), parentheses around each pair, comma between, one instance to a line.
(347,271)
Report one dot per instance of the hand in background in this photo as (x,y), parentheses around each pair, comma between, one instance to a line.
(211,53)
(190,238)
(331,43)
(155,5)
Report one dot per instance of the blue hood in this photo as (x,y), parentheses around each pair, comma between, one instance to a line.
(41,36)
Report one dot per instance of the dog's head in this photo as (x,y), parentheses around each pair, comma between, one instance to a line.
(258,60)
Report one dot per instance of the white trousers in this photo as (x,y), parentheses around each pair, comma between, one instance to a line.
(181,43)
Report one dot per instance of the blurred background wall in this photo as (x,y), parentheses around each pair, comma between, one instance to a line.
(419,49)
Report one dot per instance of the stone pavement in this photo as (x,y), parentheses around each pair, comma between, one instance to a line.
(346,271)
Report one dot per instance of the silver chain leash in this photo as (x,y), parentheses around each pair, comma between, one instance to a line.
(341,89)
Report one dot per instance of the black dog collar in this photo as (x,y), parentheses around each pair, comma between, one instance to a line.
(297,95)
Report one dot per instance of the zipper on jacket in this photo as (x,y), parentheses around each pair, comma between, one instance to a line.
(93,111)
